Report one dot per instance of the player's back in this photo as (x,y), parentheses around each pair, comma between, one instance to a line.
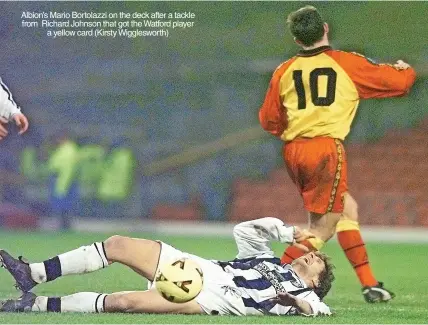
(320,97)
(317,92)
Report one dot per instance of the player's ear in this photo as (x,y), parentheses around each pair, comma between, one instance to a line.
(326,28)
(316,282)
(297,41)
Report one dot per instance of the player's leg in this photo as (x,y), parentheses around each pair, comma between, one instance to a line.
(318,168)
(352,243)
(139,254)
(322,226)
(149,301)
(81,260)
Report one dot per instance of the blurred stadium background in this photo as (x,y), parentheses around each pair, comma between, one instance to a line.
(167,129)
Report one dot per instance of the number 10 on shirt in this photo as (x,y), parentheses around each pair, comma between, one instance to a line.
(314,76)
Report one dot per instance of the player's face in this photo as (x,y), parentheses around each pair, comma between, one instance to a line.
(309,266)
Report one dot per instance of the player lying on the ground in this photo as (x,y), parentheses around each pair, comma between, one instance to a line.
(254,283)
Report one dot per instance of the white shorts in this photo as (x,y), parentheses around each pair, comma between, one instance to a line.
(219,294)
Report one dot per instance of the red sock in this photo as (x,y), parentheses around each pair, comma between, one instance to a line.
(353,245)
(293,252)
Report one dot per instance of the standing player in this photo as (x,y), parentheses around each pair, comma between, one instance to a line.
(9,111)
(310,104)
(253,284)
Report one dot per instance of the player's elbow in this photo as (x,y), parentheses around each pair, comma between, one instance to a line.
(242,231)
(274,126)
(237,231)
(264,123)
(264,120)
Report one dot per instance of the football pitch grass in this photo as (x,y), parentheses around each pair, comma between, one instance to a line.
(403,268)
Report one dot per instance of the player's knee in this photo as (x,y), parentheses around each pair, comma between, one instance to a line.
(115,245)
(115,242)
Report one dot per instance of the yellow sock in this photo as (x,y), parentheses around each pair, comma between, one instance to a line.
(344,225)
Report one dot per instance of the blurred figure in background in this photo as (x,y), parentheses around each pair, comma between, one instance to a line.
(117,177)
(33,162)
(92,155)
(63,186)
(310,104)
(10,112)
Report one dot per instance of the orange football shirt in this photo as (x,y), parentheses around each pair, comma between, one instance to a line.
(317,92)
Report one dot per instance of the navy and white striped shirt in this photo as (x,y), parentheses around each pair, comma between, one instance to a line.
(260,280)
(259,276)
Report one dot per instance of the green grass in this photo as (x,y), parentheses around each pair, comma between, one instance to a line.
(403,267)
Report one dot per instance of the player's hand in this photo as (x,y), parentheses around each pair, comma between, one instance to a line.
(284,299)
(302,234)
(21,122)
(401,65)
(3,130)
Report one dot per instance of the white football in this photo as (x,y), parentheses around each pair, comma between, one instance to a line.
(179,281)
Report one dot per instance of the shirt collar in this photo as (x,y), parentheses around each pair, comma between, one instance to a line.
(289,267)
(314,51)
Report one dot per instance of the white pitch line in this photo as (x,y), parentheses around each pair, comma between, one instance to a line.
(192,228)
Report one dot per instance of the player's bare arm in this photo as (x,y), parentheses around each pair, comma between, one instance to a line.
(286,299)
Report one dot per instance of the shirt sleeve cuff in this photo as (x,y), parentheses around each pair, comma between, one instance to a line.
(13,111)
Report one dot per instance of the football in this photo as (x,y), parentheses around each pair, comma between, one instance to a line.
(179,281)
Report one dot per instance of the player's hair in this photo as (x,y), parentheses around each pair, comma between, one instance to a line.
(306,25)
(326,277)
